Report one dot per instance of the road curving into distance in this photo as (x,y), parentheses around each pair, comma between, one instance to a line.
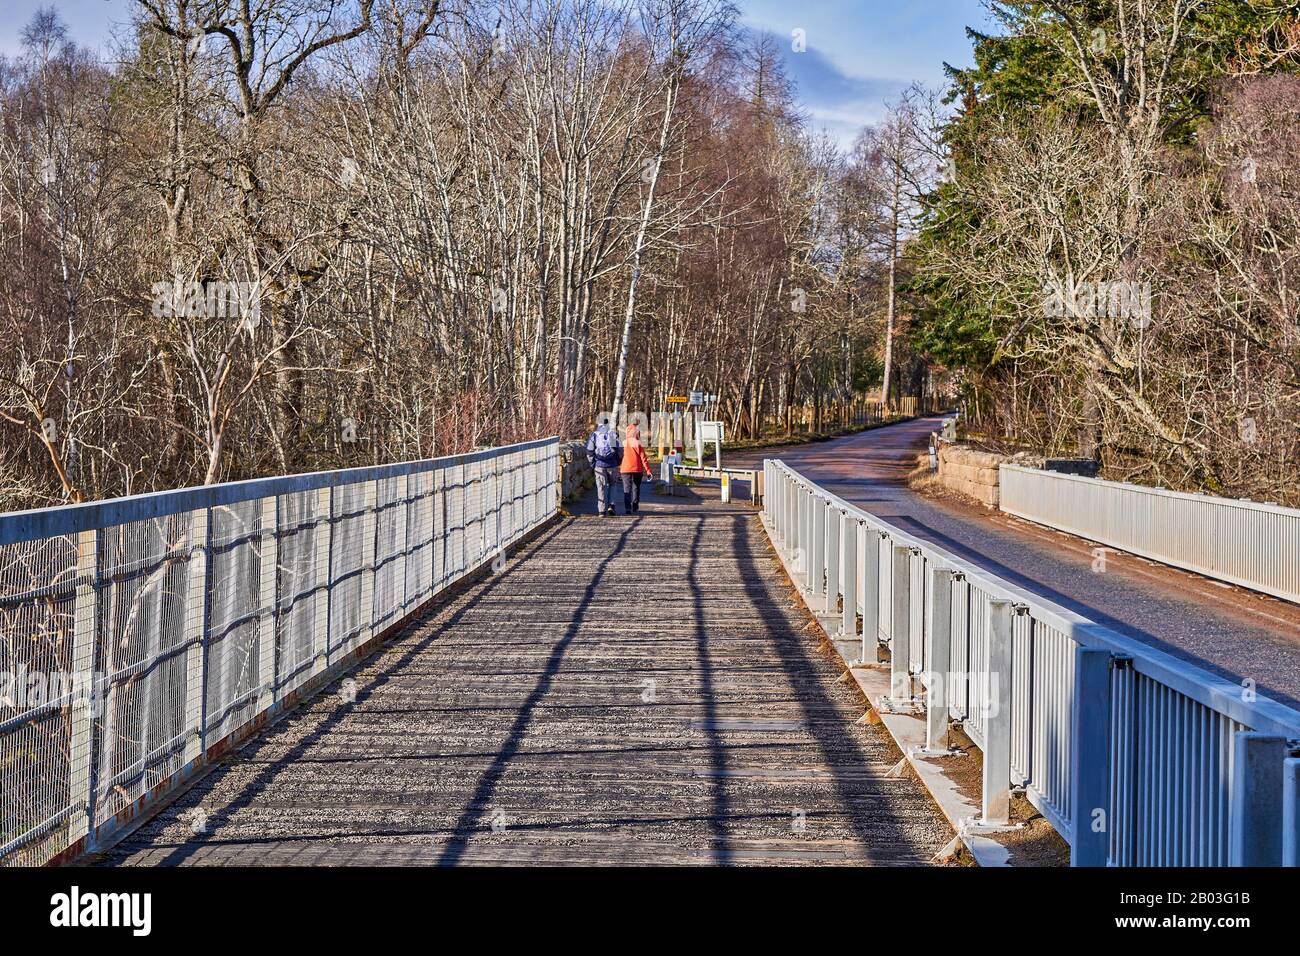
(1229,630)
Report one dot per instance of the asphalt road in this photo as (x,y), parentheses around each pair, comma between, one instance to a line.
(1229,630)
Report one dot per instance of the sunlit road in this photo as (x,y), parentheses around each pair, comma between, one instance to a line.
(1233,632)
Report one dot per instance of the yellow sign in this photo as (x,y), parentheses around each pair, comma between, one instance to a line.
(678,400)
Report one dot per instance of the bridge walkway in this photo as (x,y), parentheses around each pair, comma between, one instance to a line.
(627,690)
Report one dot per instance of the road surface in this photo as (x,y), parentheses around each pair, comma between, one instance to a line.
(1231,631)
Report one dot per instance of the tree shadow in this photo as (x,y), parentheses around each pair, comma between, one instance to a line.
(835,739)
(194,795)
(487,784)
(721,847)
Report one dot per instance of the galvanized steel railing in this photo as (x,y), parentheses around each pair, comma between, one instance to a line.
(140,634)
(1135,757)
(1254,545)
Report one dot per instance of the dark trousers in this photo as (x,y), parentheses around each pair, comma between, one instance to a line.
(632,491)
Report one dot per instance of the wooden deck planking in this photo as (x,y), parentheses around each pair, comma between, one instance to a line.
(526,701)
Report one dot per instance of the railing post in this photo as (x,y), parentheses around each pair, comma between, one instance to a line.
(805,549)
(799,508)
(791,513)
(900,680)
(1255,836)
(428,543)
(995,805)
(85,635)
(464,511)
(442,510)
(817,547)
(497,483)
(405,508)
(557,476)
(834,518)
(767,512)
(938,657)
(870,562)
(1090,758)
(849,577)
(784,515)
(1291,812)
(778,499)
(196,632)
(530,488)
(320,632)
(269,564)
(772,505)
(369,539)
(791,519)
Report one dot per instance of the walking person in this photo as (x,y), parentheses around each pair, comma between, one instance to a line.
(635,466)
(604,454)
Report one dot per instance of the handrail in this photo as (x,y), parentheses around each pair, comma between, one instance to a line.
(1174,734)
(38,523)
(1247,543)
(162,628)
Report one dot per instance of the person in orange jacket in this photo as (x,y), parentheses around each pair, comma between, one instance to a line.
(634,467)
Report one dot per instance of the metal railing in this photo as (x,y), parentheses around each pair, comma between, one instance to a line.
(1254,545)
(141,635)
(1135,757)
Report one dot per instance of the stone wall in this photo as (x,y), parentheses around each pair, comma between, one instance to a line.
(970,473)
(576,472)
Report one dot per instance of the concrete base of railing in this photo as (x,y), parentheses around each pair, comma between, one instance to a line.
(167,791)
(907,728)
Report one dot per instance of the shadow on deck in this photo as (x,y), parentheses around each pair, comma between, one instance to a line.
(631,690)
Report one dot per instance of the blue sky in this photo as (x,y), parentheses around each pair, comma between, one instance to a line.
(859,53)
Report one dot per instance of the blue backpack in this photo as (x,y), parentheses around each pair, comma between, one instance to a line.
(604,447)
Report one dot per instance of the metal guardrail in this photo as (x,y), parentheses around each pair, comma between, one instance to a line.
(1254,545)
(149,632)
(1135,757)
(753,477)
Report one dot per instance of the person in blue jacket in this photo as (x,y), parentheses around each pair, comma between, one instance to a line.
(604,453)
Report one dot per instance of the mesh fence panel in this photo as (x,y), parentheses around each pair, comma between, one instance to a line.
(390,550)
(144,580)
(347,561)
(301,531)
(419,538)
(234,603)
(203,609)
(38,581)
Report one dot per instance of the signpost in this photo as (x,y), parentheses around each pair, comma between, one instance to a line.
(696,404)
(708,432)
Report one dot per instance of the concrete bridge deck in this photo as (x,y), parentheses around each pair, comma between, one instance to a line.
(629,690)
